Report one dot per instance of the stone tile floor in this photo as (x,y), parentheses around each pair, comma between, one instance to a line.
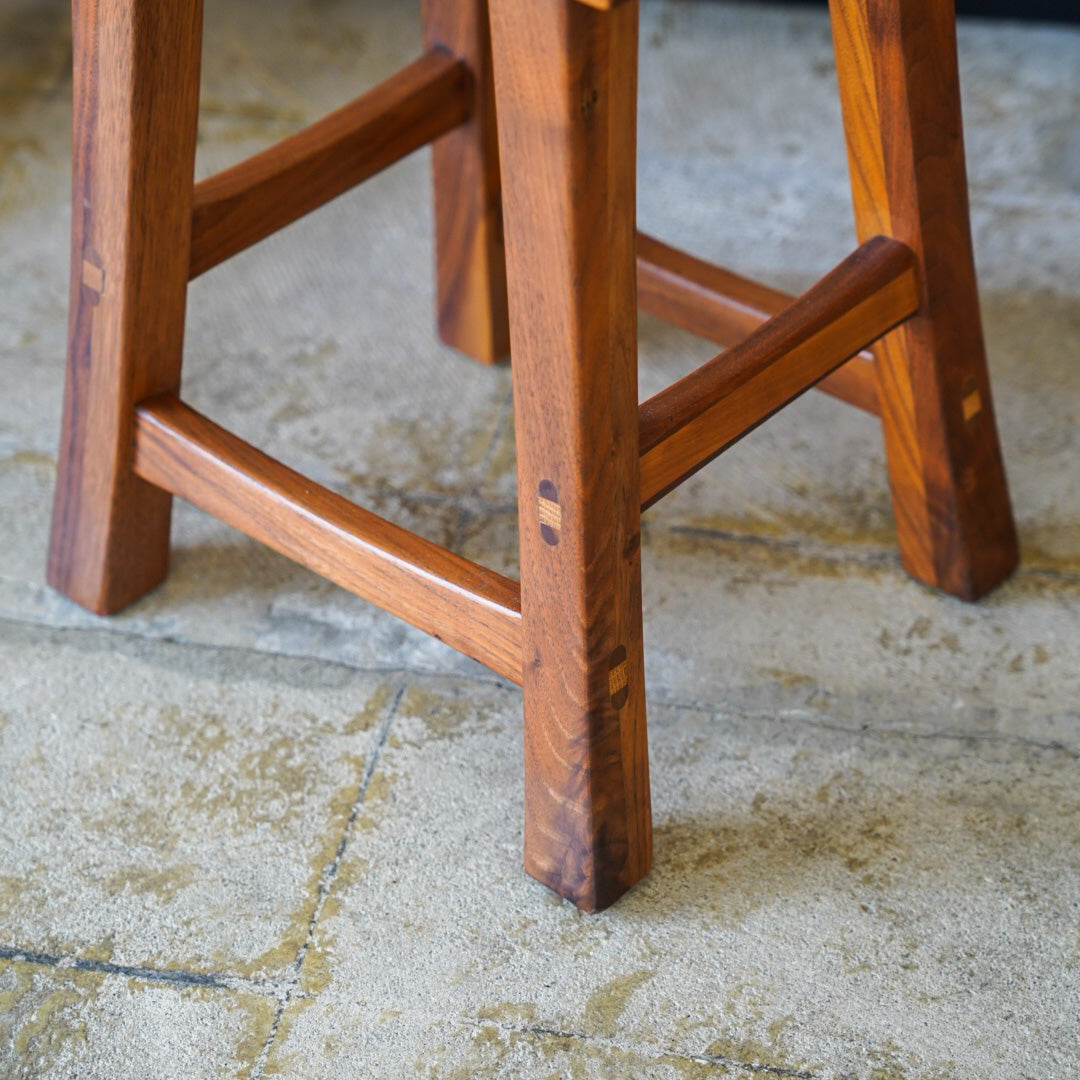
(253,827)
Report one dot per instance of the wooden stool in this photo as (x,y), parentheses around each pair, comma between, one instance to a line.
(589,459)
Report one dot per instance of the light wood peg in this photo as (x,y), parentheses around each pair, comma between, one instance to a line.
(93,277)
(619,678)
(549,512)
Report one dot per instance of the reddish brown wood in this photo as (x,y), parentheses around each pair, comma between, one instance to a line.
(470,255)
(245,204)
(725,308)
(899,87)
(136,87)
(687,425)
(465,605)
(566,81)
(566,74)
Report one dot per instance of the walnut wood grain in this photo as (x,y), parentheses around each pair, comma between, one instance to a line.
(243,205)
(899,87)
(688,424)
(470,259)
(469,607)
(565,76)
(725,308)
(136,88)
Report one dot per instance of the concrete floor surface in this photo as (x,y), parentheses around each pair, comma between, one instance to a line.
(253,827)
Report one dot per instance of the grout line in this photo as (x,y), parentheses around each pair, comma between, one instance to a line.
(326,883)
(699,1059)
(115,629)
(959,736)
(145,974)
(749,1066)
(481,678)
(844,552)
(798,546)
(805,718)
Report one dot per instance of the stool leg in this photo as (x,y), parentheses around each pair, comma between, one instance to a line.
(136,85)
(470,261)
(899,86)
(566,81)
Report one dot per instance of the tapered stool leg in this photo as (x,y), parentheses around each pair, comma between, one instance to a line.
(470,260)
(566,81)
(136,82)
(899,87)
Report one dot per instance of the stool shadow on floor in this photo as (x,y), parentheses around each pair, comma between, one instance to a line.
(931,820)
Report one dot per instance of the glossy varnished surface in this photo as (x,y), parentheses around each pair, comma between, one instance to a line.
(565,79)
(470,265)
(131,226)
(899,86)
(245,204)
(687,425)
(470,608)
(725,308)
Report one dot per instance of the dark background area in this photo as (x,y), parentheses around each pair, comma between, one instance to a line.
(1028,10)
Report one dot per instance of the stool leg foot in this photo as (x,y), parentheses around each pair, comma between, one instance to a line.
(470,261)
(566,78)
(899,86)
(136,86)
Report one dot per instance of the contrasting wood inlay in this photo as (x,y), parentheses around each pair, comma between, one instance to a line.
(470,257)
(93,277)
(549,512)
(619,678)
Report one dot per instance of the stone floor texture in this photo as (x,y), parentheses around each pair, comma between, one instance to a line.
(253,827)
